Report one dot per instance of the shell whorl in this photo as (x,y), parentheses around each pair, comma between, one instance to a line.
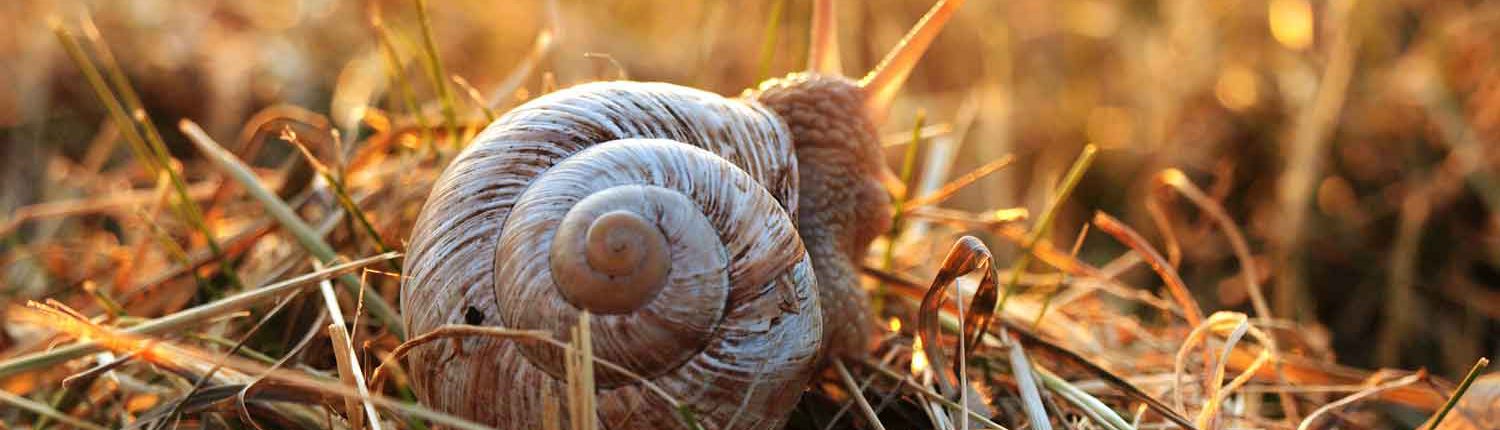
(612,254)
(704,208)
(603,175)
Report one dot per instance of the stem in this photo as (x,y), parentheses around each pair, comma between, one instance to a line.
(186,208)
(1070,181)
(898,206)
(1462,388)
(186,318)
(436,73)
(288,219)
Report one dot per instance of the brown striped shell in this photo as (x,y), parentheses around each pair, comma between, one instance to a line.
(582,180)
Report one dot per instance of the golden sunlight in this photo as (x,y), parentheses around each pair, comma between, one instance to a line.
(1236,88)
(1291,23)
(918,358)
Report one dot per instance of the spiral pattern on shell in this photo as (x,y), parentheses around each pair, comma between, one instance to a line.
(665,211)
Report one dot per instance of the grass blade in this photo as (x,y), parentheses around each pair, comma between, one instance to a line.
(42,409)
(1459,393)
(188,317)
(768,40)
(858,396)
(162,160)
(898,205)
(288,219)
(1027,384)
(435,73)
(398,76)
(1043,224)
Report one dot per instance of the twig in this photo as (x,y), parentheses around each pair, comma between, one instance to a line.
(168,353)
(1043,224)
(857,395)
(235,348)
(348,365)
(1459,393)
(341,194)
(1091,406)
(1034,340)
(620,72)
(904,137)
(350,374)
(582,406)
(91,204)
(849,404)
(1178,181)
(187,317)
(950,189)
(1134,241)
(253,386)
(928,393)
(475,97)
(1313,417)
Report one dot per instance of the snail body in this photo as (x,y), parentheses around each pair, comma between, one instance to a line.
(713,240)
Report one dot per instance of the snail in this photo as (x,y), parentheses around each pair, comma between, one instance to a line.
(714,242)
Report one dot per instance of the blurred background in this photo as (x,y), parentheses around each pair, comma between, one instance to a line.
(1354,142)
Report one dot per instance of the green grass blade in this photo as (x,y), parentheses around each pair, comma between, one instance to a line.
(288,219)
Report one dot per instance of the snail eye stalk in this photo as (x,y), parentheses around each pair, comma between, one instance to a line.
(823,56)
(882,84)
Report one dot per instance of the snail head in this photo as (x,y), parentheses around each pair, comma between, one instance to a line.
(832,119)
(843,204)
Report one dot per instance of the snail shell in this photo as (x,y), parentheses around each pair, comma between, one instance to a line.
(673,215)
(667,212)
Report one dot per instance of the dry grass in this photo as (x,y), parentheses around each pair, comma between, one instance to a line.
(1338,160)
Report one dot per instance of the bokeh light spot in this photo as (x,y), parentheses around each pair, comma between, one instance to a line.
(1291,23)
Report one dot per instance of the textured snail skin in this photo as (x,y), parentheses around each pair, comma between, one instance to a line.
(736,330)
(843,205)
